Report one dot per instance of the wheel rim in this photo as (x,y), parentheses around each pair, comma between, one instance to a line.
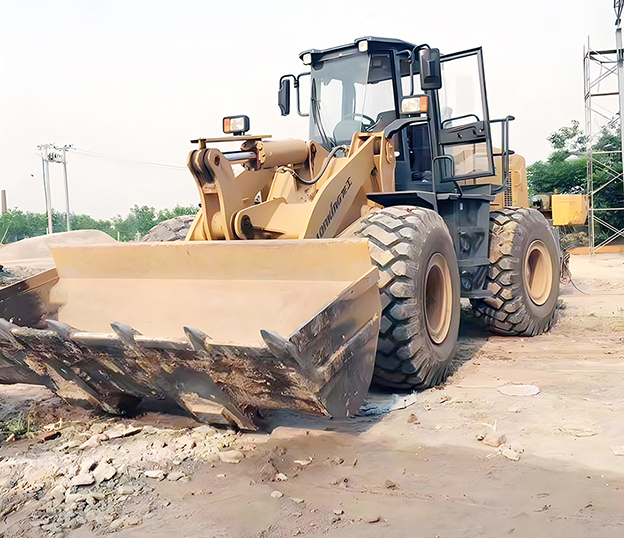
(538,275)
(438,298)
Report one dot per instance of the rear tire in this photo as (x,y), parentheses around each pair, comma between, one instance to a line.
(419,286)
(174,229)
(524,276)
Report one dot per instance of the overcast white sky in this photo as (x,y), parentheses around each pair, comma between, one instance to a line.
(136,80)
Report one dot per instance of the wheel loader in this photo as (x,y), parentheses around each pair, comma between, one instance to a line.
(313,267)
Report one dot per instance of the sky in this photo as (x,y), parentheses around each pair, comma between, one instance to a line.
(129,83)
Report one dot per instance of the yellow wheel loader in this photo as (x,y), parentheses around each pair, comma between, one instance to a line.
(313,267)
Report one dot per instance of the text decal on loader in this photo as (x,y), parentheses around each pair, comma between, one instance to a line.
(333,208)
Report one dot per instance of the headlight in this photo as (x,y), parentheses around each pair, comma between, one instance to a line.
(236,124)
(415,104)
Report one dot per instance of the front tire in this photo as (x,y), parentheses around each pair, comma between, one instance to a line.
(420,290)
(524,276)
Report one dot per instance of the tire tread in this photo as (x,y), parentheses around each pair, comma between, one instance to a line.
(396,237)
(505,311)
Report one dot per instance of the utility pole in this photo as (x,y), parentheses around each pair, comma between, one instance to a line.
(48,196)
(65,148)
(46,184)
(51,153)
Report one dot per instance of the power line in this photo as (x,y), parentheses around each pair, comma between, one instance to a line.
(50,153)
(109,157)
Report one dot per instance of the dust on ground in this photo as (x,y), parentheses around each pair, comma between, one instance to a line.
(463,460)
(12,275)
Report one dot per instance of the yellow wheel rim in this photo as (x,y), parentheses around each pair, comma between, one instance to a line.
(538,274)
(438,298)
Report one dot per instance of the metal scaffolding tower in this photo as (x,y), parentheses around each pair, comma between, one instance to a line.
(604,110)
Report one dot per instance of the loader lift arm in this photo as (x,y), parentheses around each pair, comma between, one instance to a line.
(339,195)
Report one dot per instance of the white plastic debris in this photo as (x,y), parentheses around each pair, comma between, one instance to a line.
(519,390)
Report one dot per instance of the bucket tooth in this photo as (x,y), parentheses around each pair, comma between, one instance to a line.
(282,348)
(197,339)
(13,365)
(212,402)
(125,332)
(61,329)
(128,335)
(7,335)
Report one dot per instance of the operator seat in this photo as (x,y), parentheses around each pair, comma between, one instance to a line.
(344,131)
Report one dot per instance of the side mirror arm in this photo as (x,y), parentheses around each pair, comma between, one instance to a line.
(298,85)
(283,96)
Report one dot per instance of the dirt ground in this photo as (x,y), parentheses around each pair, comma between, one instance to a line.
(463,460)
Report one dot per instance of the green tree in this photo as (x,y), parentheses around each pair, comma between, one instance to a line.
(85,222)
(565,170)
(570,138)
(16,224)
(558,174)
(137,223)
(177,211)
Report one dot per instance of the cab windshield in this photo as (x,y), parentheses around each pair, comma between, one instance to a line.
(351,94)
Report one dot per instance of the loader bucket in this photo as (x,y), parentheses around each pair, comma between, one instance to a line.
(223,329)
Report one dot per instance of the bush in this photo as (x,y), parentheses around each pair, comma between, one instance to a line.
(16,224)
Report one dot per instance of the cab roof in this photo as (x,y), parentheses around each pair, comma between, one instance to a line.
(377,44)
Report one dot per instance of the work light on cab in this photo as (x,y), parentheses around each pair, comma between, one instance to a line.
(415,104)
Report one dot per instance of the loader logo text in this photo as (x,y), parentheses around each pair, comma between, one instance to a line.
(333,208)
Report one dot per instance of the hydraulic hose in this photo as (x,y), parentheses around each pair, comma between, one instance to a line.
(329,157)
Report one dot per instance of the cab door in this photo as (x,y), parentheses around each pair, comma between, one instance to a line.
(464,132)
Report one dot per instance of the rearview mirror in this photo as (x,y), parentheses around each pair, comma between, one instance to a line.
(430,70)
(283,96)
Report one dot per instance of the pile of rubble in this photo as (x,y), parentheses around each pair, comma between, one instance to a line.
(97,474)
(11,275)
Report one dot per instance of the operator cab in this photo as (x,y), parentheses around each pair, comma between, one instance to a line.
(432,108)
(354,89)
